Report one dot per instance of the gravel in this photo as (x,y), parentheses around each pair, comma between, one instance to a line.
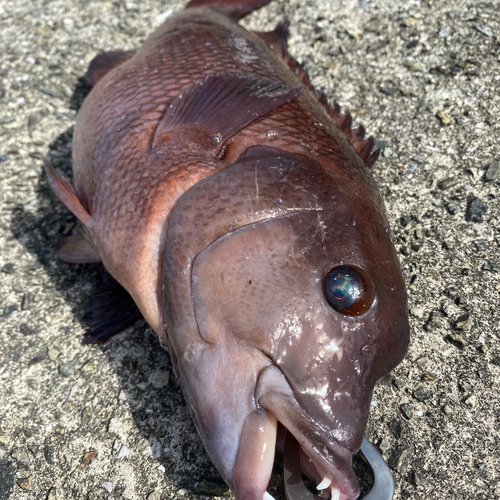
(422,76)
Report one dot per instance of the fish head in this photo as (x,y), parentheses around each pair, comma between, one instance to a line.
(296,306)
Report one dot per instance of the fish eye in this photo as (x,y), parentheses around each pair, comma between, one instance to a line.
(349,290)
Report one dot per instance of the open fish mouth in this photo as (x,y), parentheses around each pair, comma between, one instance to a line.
(295,489)
(295,467)
(307,450)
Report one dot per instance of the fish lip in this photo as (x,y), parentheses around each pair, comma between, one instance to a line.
(330,458)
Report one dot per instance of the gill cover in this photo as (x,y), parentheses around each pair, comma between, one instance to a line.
(254,336)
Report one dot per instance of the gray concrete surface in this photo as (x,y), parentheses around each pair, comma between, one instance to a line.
(107,422)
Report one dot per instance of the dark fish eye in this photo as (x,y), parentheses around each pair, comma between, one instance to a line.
(349,290)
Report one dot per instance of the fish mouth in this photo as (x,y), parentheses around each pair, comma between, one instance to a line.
(308,448)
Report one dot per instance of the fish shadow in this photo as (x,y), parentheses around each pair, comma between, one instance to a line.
(162,422)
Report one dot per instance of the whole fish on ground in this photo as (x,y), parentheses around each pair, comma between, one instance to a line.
(236,208)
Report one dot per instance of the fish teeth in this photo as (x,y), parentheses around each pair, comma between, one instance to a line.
(324,484)
(335,494)
(268,496)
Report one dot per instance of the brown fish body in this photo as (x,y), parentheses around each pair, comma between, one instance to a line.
(255,198)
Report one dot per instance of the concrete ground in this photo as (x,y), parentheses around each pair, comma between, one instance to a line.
(108,422)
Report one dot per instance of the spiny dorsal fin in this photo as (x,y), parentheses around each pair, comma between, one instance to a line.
(105,62)
(220,106)
(276,40)
(364,147)
(235,9)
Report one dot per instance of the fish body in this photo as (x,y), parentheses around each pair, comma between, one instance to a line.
(238,211)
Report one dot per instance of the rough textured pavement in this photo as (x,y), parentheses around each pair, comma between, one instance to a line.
(108,422)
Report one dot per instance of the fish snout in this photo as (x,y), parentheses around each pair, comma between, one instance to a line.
(321,457)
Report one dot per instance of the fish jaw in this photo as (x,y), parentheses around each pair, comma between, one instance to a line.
(330,460)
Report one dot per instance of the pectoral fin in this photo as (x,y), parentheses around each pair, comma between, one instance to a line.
(219,106)
(77,249)
(67,194)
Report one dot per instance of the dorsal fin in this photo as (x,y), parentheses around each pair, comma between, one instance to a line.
(219,106)
(105,62)
(67,194)
(235,9)
(277,41)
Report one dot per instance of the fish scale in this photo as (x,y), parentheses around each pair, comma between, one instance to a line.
(221,191)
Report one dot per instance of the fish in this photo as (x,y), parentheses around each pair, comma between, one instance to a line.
(236,209)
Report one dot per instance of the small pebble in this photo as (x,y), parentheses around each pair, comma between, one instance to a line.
(418,312)
(456,340)
(400,459)
(68,24)
(415,65)
(53,353)
(182,492)
(493,171)
(475,210)
(21,456)
(398,383)
(464,323)
(27,301)
(447,183)
(447,410)
(485,30)
(9,268)
(8,310)
(445,119)
(405,220)
(420,480)
(384,445)
(407,410)
(37,359)
(471,401)
(422,394)
(156,495)
(444,32)
(88,367)
(159,379)
(17,288)
(453,208)
(25,329)
(24,483)
(161,468)
(124,452)
(66,369)
(107,486)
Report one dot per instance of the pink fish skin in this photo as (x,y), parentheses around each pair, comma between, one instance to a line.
(238,211)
